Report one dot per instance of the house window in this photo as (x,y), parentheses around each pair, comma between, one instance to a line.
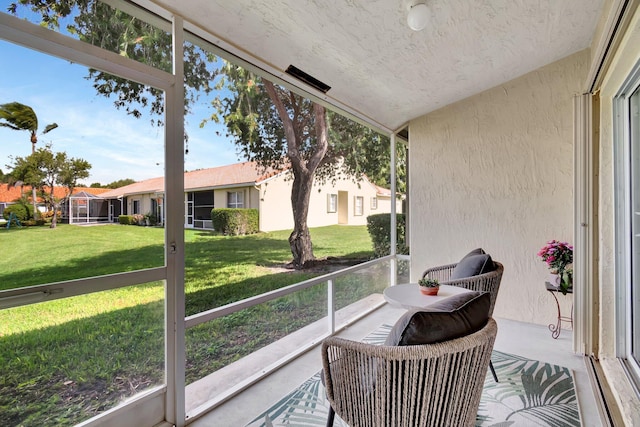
(627,193)
(332,203)
(136,207)
(235,199)
(359,206)
(374,203)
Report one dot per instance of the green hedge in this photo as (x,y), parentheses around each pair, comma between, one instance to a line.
(379,227)
(135,219)
(125,219)
(235,221)
(22,212)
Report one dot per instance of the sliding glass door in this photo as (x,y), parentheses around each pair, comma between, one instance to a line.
(634,149)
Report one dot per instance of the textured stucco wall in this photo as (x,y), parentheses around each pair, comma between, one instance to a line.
(496,171)
(627,56)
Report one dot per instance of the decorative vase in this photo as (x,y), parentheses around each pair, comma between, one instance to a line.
(429,290)
(562,279)
(566,281)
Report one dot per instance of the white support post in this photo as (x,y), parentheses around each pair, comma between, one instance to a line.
(585,230)
(393,238)
(174,236)
(331,309)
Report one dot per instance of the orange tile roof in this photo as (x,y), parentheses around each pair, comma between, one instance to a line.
(9,193)
(246,173)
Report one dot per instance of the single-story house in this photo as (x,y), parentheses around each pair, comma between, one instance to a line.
(10,193)
(344,200)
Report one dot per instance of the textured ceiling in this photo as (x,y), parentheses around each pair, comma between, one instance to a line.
(380,68)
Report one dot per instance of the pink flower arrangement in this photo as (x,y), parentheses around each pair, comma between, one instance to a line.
(558,255)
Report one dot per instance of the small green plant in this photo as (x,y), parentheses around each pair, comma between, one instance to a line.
(428,282)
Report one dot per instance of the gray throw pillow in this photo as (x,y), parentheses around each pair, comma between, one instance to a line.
(472,265)
(477,251)
(452,318)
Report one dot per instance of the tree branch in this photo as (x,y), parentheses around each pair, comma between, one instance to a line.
(290,135)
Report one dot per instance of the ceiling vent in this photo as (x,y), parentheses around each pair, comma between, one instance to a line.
(310,80)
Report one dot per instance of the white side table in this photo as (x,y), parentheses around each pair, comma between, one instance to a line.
(408,295)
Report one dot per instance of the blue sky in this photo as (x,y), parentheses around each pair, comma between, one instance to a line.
(90,127)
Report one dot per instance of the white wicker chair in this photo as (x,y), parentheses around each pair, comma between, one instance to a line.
(422,385)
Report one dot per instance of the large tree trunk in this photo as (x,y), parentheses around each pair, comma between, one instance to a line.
(34,140)
(300,238)
(54,219)
(303,172)
(35,206)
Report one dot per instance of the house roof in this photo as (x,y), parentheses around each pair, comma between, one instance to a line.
(86,195)
(381,191)
(234,175)
(10,193)
(377,67)
(229,176)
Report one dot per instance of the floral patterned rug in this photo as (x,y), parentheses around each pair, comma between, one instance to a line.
(530,393)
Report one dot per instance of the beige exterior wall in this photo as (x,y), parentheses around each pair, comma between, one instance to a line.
(626,57)
(250,195)
(318,205)
(384,205)
(275,203)
(272,198)
(145,203)
(496,171)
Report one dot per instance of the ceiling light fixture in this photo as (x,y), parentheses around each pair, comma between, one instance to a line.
(418,16)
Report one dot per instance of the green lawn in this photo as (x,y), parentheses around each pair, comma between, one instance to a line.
(66,360)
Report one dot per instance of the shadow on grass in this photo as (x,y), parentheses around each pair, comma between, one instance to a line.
(61,375)
(202,256)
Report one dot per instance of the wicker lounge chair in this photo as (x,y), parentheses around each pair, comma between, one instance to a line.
(417,385)
(487,282)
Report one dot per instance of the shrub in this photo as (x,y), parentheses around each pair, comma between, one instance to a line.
(235,221)
(21,212)
(151,218)
(125,219)
(138,219)
(135,219)
(379,227)
(34,222)
(49,215)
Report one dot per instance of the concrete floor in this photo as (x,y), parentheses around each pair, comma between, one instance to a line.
(527,340)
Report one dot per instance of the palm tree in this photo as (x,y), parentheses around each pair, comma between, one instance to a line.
(17,116)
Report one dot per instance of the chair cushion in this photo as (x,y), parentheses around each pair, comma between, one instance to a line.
(472,265)
(451,318)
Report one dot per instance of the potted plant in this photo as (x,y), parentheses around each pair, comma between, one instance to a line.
(559,258)
(429,286)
